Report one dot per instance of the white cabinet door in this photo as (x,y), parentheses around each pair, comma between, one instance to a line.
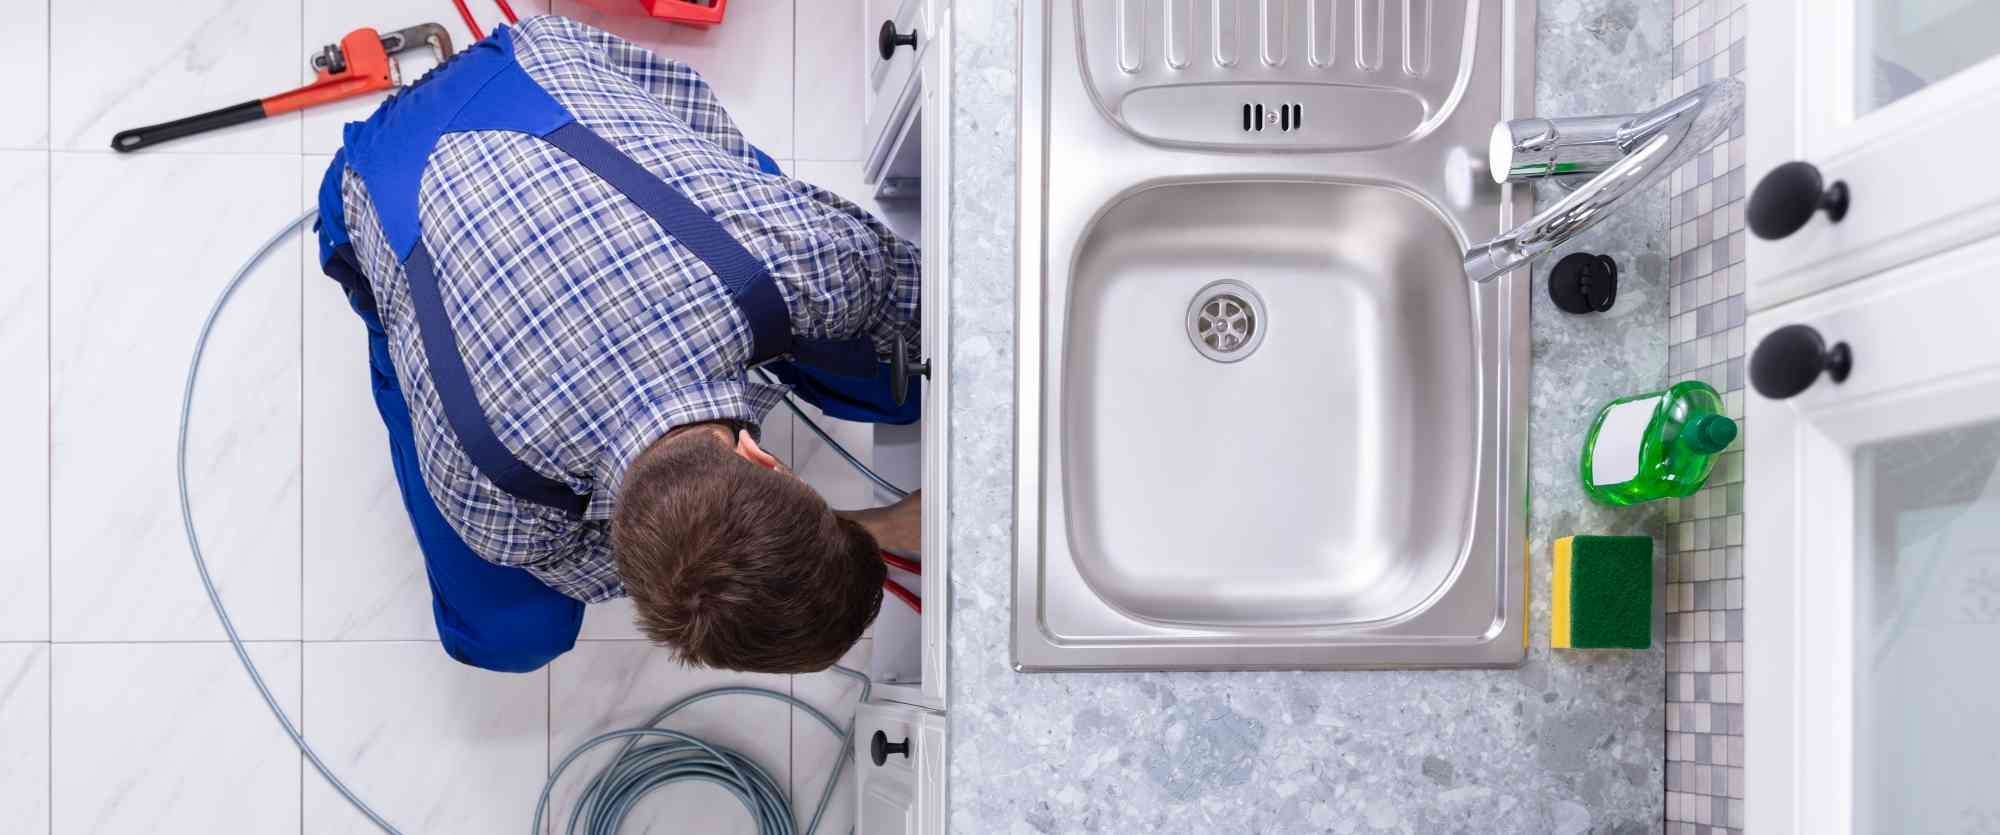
(893,81)
(933,185)
(902,792)
(936,195)
(1872,560)
(1899,100)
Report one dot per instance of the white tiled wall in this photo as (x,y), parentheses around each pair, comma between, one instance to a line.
(120,708)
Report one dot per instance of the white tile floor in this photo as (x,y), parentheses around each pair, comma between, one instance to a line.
(120,709)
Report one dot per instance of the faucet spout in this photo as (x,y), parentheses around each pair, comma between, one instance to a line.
(1627,153)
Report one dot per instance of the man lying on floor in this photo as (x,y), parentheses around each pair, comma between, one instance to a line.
(568,261)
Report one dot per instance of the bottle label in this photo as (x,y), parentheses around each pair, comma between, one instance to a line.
(1615,460)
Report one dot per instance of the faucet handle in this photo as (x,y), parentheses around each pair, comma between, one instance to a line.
(1788,197)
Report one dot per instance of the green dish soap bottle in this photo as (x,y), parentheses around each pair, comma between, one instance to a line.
(1656,445)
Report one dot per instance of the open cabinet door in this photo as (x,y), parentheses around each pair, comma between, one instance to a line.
(1872,561)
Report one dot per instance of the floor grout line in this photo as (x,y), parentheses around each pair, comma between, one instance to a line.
(300,762)
(299,276)
(548,720)
(162,152)
(305,189)
(49,381)
(223,642)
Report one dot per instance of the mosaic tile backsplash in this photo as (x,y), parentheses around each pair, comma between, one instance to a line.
(1704,603)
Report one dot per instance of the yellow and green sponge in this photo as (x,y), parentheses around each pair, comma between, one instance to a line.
(1602,593)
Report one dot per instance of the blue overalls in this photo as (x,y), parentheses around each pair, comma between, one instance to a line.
(488,615)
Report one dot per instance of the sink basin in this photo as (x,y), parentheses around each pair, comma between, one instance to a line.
(1325,476)
(1265,420)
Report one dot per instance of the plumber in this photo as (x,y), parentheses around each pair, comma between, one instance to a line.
(569,261)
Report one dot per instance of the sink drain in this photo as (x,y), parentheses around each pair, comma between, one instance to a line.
(1226,321)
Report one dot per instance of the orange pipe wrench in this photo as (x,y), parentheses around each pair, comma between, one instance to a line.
(356,66)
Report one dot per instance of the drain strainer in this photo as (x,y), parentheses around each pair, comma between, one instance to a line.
(1226,321)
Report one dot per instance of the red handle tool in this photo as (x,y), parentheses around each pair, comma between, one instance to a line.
(472,25)
(357,66)
(902,563)
(896,589)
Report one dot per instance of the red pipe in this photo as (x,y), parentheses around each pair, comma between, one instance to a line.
(902,563)
(465,14)
(903,594)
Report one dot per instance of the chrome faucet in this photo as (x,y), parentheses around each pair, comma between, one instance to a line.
(1627,153)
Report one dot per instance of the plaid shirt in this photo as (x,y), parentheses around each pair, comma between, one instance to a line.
(588,331)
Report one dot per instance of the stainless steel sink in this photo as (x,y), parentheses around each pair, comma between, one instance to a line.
(1265,420)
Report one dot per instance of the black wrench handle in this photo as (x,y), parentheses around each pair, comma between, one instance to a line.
(150,135)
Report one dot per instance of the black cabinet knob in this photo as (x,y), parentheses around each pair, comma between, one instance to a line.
(887,39)
(880,748)
(1790,359)
(902,370)
(1786,199)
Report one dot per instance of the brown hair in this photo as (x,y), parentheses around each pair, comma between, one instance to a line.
(740,567)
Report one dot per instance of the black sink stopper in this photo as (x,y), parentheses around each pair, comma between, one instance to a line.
(1584,283)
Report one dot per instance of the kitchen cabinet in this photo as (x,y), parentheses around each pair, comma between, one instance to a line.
(920,173)
(897,41)
(1872,507)
(899,750)
(908,159)
(1872,561)
(1897,99)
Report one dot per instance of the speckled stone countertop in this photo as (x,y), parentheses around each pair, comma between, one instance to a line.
(1567,743)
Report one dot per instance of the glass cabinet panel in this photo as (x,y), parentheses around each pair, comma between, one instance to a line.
(1907,45)
(1927,632)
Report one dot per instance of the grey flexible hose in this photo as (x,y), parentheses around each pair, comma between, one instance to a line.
(637,768)
(194,542)
(852,461)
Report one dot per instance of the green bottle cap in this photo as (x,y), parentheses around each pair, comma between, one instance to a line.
(1709,434)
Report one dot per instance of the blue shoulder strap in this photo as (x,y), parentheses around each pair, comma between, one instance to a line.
(481,88)
(484,88)
(749,283)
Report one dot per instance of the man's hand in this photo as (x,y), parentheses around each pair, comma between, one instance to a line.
(898,527)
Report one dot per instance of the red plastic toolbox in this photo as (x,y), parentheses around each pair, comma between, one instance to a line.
(692,12)
(702,13)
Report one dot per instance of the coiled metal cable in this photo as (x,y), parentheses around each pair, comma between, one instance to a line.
(653,757)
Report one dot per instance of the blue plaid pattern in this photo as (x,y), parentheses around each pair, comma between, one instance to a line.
(588,332)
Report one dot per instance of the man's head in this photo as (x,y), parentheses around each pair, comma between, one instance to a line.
(737,564)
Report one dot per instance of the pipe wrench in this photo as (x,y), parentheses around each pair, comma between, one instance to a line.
(358,65)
